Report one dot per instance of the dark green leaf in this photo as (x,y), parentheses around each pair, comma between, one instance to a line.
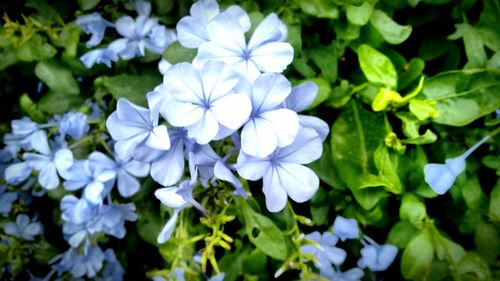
(401,234)
(31,108)
(132,87)
(473,267)
(325,57)
(57,103)
(88,4)
(487,241)
(494,210)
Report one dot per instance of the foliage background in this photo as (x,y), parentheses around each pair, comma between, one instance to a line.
(372,166)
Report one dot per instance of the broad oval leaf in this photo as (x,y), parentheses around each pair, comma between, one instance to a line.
(57,77)
(463,96)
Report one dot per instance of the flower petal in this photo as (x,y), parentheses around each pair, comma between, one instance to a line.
(299,182)
(302,96)
(258,138)
(158,138)
(204,130)
(285,124)
(269,91)
(272,57)
(276,197)
(127,184)
(168,229)
(232,111)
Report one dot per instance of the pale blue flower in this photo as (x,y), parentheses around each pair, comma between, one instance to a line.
(73,124)
(48,162)
(131,126)
(126,171)
(283,172)
(80,263)
(163,66)
(377,257)
(192,30)
(95,25)
(269,126)
(23,228)
(218,277)
(22,131)
(113,270)
(96,180)
(177,198)
(441,177)
(18,172)
(345,228)
(264,52)
(172,158)
(6,200)
(353,274)
(106,56)
(324,251)
(299,99)
(140,34)
(205,101)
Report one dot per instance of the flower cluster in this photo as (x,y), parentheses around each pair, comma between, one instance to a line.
(233,93)
(139,34)
(328,258)
(47,150)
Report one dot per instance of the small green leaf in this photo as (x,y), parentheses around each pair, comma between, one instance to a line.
(175,53)
(463,96)
(411,129)
(57,77)
(57,103)
(423,110)
(132,87)
(387,169)
(319,8)
(474,48)
(412,209)
(359,15)
(417,257)
(30,108)
(411,71)
(36,49)
(392,32)
(255,262)
(263,233)
(473,194)
(325,57)
(325,170)
(386,99)
(377,67)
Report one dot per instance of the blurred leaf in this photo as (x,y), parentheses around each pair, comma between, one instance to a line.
(494,209)
(463,96)
(487,241)
(57,103)
(132,87)
(57,77)
(175,53)
(401,234)
(377,67)
(359,15)
(411,72)
(473,193)
(255,262)
(473,267)
(36,49)
(390,30)
(474,48)
(30,108)
(417,257)
(88,4)
(318,8)
(325,57)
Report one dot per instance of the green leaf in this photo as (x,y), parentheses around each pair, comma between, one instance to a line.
(35,49)
(412,209)
(387,169)
(473,194)
(57,77)
(324,168)
(446,249)
(463,96)
(494,209)
(88,4)
(359,15)
(411,71)
(263,233)
(411,129)
(325,57)
(30,108)
(386,99)
(255,262)
(149,224)
(391,31)
(175,53)
(356,134)
(401,234)
(319,8)
(474,48)
(473,267)
(132,87)
(57,103)
(377,67)
(487,241)
(43,252)
(423,110)
(417,257)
